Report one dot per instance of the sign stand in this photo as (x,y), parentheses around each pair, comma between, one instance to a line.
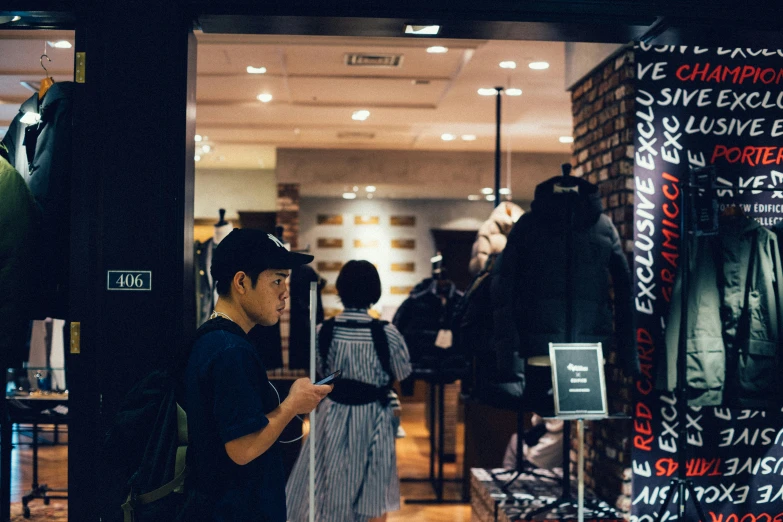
(579,386)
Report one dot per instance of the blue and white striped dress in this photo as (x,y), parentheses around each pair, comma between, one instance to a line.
(356,462)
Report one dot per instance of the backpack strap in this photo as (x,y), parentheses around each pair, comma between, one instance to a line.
(379,340)
(325,336)
(381,343)
(132,501)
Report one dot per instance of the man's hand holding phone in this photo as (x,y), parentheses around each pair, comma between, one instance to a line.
(304,396)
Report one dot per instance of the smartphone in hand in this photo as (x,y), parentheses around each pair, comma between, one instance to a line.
(330,379)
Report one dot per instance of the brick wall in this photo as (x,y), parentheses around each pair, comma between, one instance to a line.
(288,218)
(602,105)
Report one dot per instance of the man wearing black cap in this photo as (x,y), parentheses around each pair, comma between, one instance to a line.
(234,413)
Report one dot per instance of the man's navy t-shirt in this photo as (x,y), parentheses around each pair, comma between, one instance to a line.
(227,396)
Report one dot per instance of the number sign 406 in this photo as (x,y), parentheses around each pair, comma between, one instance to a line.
(129,280)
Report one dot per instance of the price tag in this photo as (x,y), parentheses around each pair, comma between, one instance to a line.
(138,280)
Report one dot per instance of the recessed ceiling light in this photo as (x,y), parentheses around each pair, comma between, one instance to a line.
(538,66)
(349,195)
(468,137)
(505,191)
(474,197)
(360,115)
(487,190)
(513,92)
(488,91)
(490,197)
(256,70)
(197,157)
(566,139)
(437,49)
(448,137)
(265,97)
(422,29)
(62,44)
(369,188)
(355,188)
(197,137)
(206,148)
(508,65)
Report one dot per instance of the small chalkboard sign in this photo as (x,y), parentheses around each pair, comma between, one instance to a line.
(578,380)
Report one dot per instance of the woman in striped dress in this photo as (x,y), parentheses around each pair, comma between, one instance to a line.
(355,459)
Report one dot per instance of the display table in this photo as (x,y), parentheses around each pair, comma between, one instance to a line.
(35,396)
(493,501)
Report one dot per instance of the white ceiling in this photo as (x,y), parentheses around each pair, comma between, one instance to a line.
(411,106)
(315,92)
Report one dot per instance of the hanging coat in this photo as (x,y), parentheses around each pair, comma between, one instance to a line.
(299,336)
(491,236)
(734,320)
(565,230)
(18,221)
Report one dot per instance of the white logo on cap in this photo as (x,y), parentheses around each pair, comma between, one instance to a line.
(277,241)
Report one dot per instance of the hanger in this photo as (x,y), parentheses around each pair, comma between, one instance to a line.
(48,81)
(733,211)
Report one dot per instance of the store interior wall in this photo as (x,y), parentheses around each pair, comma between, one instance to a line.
(234,190)
(429,214)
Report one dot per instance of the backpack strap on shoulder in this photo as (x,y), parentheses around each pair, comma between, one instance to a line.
(381,343)
(325,337)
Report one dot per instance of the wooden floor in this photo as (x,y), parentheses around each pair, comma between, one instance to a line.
(412,461)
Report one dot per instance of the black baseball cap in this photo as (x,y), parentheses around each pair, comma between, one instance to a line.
(245,249)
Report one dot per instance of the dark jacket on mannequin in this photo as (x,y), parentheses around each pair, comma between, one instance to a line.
(733,357)
(423,314)
(205,295)
(565,228)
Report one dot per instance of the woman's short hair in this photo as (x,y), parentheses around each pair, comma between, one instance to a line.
(358,284)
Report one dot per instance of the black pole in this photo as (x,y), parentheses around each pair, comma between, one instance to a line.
(497,145)
(682,386)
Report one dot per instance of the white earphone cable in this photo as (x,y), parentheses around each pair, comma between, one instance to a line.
(297,416)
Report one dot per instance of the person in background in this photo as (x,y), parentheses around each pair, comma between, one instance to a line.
(543,445)
(356,465)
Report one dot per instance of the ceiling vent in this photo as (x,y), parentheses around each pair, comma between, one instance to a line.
(355,135)
(373,60)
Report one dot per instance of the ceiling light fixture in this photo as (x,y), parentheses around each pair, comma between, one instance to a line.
(206,148)
(488,91)
(370,188)
(197,157)
(505,191)
(490,197)
(422,30)
(437,49)
(448,137)
(513,92)
(349,195)
(474,197)
(360,115)
(62,44)
(538,66)
(197,137)
(355,188)
(508,64)
(265,98)
(487,190)
(256,70)
(566,139)
(468,137)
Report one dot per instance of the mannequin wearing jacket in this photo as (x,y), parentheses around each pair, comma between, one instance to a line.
(563,248)
(734,319)
(299,337)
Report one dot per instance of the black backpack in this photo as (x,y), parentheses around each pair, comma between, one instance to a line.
(144,452)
